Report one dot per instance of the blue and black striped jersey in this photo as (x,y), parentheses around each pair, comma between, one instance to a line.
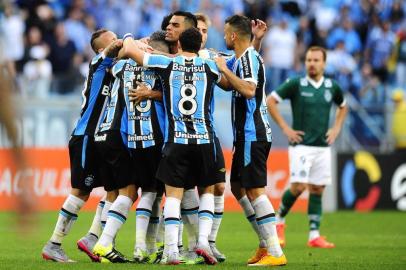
(249,116)
(146,120)
(95,93)
(115,114)
(187,85)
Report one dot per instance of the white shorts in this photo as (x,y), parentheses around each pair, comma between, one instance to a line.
(310,164)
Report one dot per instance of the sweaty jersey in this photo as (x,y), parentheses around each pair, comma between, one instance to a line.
(187,85)
(311,104)
(95,93)
(146,120)
(249,116)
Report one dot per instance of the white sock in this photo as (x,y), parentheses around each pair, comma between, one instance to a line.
(153,224)
(95,228)
(206,210)
(171,214)
(180,234)
(250,215)
(265,216)
(313,234)
(280,219)
(103,216)
(143,214)
(218,216)
(189,211)
(161,228)
(66,218)
(117,216)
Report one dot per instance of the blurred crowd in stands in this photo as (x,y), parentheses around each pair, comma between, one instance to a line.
(46,43)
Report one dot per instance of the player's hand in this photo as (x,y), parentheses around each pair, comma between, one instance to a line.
(141,93)
(332,135)
(294,136)
(220,62)
(143,47)
(113,49)
(259,28)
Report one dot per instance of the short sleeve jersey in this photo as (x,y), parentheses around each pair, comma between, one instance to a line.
(311,106)
(95,93)
(249,116)
(187,85)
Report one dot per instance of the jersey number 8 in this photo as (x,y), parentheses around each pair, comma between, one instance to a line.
(187,104)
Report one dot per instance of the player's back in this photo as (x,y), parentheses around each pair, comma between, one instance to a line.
(94,94)
(188,84)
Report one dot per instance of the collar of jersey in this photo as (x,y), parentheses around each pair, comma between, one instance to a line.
(314,83)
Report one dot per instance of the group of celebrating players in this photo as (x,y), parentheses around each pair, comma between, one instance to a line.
(147,122)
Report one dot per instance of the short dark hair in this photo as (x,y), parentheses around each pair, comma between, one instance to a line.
(190,40)
(95,35)
(158,42)
(189,17)
(241,24)
(318,48)
(165,21)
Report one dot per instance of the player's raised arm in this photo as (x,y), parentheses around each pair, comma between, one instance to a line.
(245,88)
(134,49)
(259,29)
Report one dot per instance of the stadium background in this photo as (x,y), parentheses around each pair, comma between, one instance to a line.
(46,47)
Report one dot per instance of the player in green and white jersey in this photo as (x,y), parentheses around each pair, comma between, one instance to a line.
(310,138)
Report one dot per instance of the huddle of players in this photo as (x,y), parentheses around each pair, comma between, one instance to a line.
(167,137)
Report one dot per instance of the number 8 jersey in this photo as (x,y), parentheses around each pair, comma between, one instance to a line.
(188,85)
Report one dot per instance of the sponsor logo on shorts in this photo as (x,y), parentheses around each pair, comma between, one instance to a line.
(89,180)
(101,138)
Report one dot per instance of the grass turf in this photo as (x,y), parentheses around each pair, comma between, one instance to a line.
(364,241)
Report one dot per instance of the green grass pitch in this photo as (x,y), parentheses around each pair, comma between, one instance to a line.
(364,241)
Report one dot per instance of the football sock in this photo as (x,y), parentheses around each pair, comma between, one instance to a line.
(206,212)
(143,214)
(189,211)
(116,217)
(265,217)
(288,199)
(95,228)
(66,218)
(103,216)
(314,212)
(218,216)
(171,214)
(152,230)
(250,215)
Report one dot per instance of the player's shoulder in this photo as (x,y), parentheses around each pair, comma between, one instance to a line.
(297,81)
(330,83)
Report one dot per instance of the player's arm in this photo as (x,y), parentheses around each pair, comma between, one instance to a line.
(134,49)
(143,93)
(245,88)
(259,29)
(341,113)
(294,136)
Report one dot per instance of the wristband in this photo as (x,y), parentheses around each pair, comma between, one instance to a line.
(127,36)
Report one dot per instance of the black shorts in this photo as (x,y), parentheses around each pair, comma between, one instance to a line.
(249,164)
(144,165)
(220,172)
(84,163)
(115,157)
(187,165)
(220,167)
